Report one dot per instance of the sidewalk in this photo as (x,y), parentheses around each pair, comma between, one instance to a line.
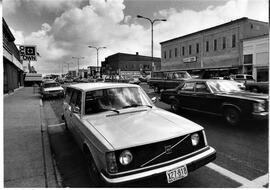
(27,156)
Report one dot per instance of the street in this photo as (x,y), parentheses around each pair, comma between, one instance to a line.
(242,152)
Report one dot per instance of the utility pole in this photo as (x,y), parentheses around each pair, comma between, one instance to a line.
(97,48)
(152,34)
(78,62)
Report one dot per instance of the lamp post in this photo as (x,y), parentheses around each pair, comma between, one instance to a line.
(152,31)
(78,61)
(97,48)
(67,65)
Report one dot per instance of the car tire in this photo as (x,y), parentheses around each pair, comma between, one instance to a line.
(175,107)
(94,175)
(232,116)
(156,89)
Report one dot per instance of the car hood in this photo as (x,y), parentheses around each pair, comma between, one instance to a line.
(53,88)
(247,95)
(134,127)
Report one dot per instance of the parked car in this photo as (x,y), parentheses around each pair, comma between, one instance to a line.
(243,78)
(167,79)
(133,80)
(51,89)
(261,87)
(116,78)
(125,137)
(221,97)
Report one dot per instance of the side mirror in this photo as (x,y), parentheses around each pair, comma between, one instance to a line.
(75,109)
(154,99)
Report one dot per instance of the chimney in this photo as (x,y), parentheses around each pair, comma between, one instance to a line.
(137,53)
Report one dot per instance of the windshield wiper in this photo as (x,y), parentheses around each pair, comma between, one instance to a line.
(115,110)
(136,105)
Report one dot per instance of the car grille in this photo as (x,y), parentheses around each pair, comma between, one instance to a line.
(153,154)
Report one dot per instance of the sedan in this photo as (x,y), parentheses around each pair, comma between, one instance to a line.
(219,97)
(51,89)
(125,137)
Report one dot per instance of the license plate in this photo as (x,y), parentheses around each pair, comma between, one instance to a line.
(176,174)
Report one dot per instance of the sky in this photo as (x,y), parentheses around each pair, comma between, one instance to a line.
(62,29)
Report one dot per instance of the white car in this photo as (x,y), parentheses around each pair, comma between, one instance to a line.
(51,89)
(125,137)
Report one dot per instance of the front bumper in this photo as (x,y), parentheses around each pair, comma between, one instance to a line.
(260,116)
(193,162)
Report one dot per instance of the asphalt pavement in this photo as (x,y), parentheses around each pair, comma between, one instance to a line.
(27,157)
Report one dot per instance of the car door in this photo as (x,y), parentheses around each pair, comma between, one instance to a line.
(206,100)
(75,115)
(186,96)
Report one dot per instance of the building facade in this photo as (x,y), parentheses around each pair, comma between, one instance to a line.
(218,49)
(130,64)
(13,66)
(256,57)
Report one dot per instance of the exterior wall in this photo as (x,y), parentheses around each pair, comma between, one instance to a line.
(128,63)
(13,68)
(259,49)
(229,57)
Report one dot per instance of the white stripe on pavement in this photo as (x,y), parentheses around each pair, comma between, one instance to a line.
(261,181)
(245,182)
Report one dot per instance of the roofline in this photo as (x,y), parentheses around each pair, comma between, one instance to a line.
(214,27)
(5,26)
(119,53)
(255,37)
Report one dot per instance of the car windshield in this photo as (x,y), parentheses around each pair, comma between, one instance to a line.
(181,75)
(224,86)
(49,85)
(114,99)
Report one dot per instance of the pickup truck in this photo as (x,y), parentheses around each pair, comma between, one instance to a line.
(162,80)
(261,87)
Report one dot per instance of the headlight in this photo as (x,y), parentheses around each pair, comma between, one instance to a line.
(258,107)
(195,139)
(125,157)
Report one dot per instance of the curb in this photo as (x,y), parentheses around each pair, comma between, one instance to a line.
(51,173)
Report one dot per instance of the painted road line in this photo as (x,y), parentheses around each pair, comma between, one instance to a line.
(232,175)
(261,181)
(55,125)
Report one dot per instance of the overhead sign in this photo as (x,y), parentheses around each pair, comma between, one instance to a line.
(28,53)
(189,59)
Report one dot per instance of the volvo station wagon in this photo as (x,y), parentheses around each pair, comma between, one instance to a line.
(125,137)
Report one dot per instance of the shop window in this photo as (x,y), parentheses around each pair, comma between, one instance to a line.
(197,48)
(248,59)
(189,49)
(233,40)
(215,45)
(207,46)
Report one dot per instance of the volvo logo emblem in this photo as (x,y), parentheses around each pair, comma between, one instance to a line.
(168,149)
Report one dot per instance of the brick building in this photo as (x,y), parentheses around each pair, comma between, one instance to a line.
(13,66)
(217,50)
(129,64)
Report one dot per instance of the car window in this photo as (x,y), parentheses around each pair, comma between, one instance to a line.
(188,86)
(68,94)
(114,99)
(239,77)
(201,87)
(49,85)
(75,100)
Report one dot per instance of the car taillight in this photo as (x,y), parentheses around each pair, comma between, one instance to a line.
(111,162)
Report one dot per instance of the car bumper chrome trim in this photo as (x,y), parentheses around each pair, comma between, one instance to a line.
(192,160)
(260,115)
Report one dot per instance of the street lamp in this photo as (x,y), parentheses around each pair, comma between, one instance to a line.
(97,48)
(78,61)
(152,24)
(67,65)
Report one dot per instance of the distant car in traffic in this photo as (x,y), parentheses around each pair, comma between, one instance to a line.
(133,80)
(116,78)
(260,87)
(51,89)
(243,78)
(125,137)
(219,97)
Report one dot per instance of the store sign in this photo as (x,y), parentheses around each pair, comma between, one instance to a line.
(28,53)
(189,59)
